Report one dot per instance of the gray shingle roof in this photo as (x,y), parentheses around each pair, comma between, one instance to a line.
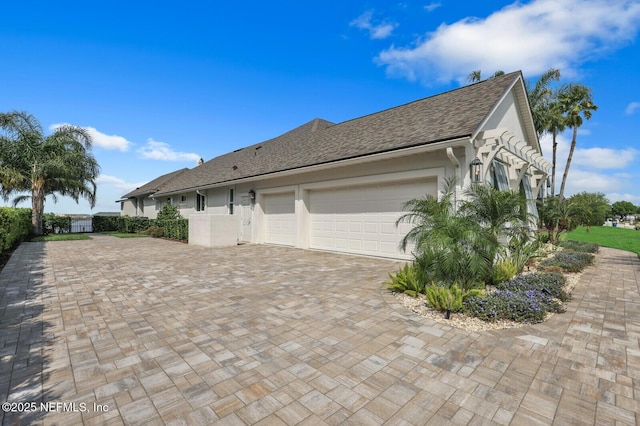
(155,185)
(447,116)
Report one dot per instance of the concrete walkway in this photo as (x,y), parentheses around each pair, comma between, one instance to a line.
(145,331)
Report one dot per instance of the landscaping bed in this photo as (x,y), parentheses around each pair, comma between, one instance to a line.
(546,287)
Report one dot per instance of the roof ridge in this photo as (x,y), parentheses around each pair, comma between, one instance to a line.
(448,92)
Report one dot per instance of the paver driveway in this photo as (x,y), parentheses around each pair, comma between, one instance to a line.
(145,331)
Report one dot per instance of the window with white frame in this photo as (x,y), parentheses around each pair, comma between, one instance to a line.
(230,200)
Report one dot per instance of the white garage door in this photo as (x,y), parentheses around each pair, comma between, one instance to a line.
(362,220)
(280,219)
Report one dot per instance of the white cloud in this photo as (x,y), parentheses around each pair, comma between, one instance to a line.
(111,142)
(118,183)
(632,108)
(531,36)
(154,150)
(605,158)
(432,6)
(590,167)
(614,196)
(376,31)
(580,181)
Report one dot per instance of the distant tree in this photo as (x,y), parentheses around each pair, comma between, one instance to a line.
(576,102)
(558,215)
(596,203)
(58,164)
(623,208)
(476,76)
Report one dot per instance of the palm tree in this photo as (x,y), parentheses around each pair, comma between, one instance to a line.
(451,246)
(502,213)
(558,215)
(576,102)
(58,164)
(555,123)
(476,76)
(540,98)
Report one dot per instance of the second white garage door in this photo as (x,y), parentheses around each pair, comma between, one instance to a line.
(361,220)
(280,219)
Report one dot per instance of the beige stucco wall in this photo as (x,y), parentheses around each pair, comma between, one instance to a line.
(149,209)
(128,208)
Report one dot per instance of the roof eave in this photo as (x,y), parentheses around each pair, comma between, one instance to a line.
(461,140)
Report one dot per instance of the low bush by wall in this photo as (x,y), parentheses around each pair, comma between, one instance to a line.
(175,229)
(15,226)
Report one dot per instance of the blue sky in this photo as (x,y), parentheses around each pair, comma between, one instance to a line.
(161,84)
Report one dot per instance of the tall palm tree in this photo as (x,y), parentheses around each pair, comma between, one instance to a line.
(540,98)
(58,164)
(576,102)
(555,124)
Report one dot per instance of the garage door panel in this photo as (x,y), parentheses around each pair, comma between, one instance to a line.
(280,220)
(365,217)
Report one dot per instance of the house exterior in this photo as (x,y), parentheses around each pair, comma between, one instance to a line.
(341,187)
(141,203)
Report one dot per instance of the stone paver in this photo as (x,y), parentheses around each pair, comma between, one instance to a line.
(146,331)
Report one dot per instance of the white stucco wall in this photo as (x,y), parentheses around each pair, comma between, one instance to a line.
(508,117)
(213,230)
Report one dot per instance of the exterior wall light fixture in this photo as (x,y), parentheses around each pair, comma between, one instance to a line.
(476,170)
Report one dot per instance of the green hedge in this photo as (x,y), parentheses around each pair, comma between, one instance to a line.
(52,223)
(106,223)
(176,229)
(134,224)
(15,226)
(124,224)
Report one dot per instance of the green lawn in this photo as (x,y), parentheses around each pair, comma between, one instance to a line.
(124,235)
(61,237)
(607,236)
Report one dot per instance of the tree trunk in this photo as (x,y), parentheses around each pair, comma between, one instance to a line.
(566,169)
(37,209)
(553,170)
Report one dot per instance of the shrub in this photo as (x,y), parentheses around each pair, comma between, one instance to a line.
(405,281)
(525,298)
(447,299)
(15,226)
(56,224)
(552,269)
(579,246)
(502,271)
(168,212)
(548,283)
(106,223)
(133,224)
(529,306)
(569,261)
(176,229)
(155,231)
